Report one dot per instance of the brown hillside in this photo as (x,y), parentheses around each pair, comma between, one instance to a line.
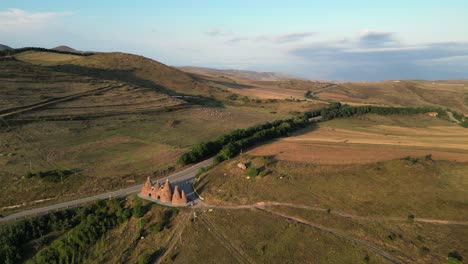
(133,69)
(447,94)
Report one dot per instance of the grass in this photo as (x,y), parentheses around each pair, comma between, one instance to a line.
(129,241)
(108,152)
(413,242)
(112,139)
(431,189)
(264,239)
(46,58)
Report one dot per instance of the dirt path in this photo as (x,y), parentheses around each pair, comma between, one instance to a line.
(27,108)
(174,238)
(261,205)
(236,252)
(332,232)
(451,117)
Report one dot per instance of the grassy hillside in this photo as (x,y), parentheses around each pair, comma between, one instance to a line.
(446,94)
(391,188)
(108,133)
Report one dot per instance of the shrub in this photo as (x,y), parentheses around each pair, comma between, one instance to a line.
(455,255)
(233,97)
(138,209)
(253,172)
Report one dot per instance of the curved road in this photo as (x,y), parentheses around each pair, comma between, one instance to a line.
(182,178)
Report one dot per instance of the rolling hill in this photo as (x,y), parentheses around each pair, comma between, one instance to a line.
(5,47)
(66,48)
(240,74)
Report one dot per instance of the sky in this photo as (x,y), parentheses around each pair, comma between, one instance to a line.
(322,40)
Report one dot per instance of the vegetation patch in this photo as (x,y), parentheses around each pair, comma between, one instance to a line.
(52,175)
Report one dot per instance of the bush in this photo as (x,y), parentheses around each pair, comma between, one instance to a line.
(309,94)
(233,97)
(455,255)
(138,209)
(145,258)
(253,172)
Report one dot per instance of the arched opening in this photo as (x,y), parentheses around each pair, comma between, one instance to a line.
(159,197)
(149,195)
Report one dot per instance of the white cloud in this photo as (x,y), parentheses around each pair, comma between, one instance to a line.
(17,20)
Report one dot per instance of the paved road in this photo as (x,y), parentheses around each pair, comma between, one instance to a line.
(182,178)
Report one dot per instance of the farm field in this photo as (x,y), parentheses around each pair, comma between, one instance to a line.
(359,139)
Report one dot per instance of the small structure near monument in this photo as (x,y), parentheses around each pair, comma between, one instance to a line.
(433,114)
(163,193)
(242,166)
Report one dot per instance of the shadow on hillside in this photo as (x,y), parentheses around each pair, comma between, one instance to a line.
(234,85)
(128,76)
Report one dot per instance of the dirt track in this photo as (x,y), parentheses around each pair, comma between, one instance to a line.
(26,108)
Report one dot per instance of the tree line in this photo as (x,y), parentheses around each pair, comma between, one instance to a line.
(230,145)
(10,52)
(328,114)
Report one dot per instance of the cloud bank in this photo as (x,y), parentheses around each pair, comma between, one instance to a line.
(16,20)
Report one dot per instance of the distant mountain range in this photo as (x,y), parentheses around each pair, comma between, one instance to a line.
(240,74)
(5,47)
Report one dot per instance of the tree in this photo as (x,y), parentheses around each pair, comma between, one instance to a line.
(138,209)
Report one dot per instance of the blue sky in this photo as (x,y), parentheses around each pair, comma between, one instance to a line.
(326,40)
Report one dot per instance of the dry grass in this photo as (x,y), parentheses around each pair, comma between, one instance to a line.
(413,242)
(264,239)
(372,138)
(448,94)
(46,58)
(430,189)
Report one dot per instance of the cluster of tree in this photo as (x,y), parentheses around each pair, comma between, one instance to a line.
(82,227)
(13,236)
(10,52)
(460,117)
(328,114)
(283,128)
(231,144)
(73,245)
(321,111)
(309,94)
